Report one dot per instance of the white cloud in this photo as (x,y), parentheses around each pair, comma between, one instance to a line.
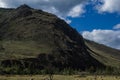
(76,11)
(59,7)
(68,21)
(108,6)
(116,26)
(108,37)
(2,4)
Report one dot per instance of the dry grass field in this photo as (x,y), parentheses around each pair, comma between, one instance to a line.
(59,77)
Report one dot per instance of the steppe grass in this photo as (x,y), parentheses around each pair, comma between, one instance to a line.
(59,77)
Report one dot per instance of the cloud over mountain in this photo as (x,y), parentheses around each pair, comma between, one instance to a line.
(116,26)
(107,37)
(65,8)
(62,8)
(110,6)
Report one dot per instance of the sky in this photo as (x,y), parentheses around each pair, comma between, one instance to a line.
(96,20)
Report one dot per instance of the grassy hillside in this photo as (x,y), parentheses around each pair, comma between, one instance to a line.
(31,38)
(104,54)
(60,77)
(22,49)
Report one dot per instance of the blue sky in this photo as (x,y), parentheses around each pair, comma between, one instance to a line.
(96,20)
(93,20)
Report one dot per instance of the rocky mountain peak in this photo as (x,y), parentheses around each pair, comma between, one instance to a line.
(24,6)
(23,11)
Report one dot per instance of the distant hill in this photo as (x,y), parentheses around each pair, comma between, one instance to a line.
(106,55)
(34,39)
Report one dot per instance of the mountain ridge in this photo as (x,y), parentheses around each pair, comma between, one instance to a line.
(110,56)
(32,38)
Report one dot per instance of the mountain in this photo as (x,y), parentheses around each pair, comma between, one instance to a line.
(106,55)
(34,39)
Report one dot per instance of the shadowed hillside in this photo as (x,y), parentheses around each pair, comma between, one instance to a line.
(34,39)
(28,34)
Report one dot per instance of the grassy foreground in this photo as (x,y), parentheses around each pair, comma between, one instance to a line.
(59,77)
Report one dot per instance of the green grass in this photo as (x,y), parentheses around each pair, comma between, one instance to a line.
(59,77)
(22,49)
(104,54)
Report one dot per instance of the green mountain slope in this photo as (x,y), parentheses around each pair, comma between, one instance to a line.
(31,38)
(104,54)
(34,39)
